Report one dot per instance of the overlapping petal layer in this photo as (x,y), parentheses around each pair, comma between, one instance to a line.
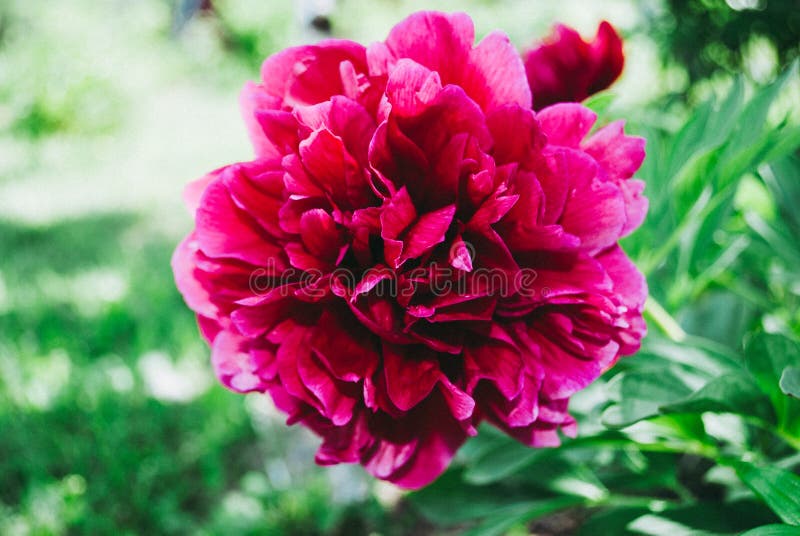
(414,250)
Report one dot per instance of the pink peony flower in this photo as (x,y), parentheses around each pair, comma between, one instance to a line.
(565,68)
(413,250)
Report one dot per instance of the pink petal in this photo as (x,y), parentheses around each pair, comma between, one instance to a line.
(636,204)
(320,234)
(254,99)
(397,215)
(337,399)
(565,370)
(411,87)
(409,380)
(497,362)
(223,230)
(629,284)
(346,349)
(566,123)
(233,364)
(310,74)
(441,42)
(252,188)
(328,162)
(426,232)
(193,191)
(497,76)
(188,278)
(460,404)
(597,217)
(606,51)
(346,119)
(516,134)
(389,457)
(441,436)
(618,154)
(280,133)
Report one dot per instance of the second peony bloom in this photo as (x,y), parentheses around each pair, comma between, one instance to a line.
(414,250)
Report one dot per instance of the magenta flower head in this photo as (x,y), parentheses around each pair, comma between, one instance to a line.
(414,250)
(565,68)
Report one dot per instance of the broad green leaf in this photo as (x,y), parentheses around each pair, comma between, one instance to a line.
(504,459)
(731,393)
(692,180)
(508,457)
(766,357)
(754,115)
(701,354)
(566,477)
(612,521)
(489,438)
(641,394)
(778,488)
(781,244)
(749,144)
(498,524)
(450,500)
(654,525)
(780,177)
(577,480)
(688,138)
(723,119)
(790,381)
(720,315)
(719,266)
(716,516)
(785,142)
(599,102)
(773,530)
(547,469)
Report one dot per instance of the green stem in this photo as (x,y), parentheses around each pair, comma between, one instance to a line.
(664,320)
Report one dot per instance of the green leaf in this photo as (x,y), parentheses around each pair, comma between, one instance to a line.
(790,381)
(777,240)
(766,357)
(504,459)
(702,355)
(599,102)
(731,393)
(612,521)
(688,138)
(548,469)
(773,530)
(780,177)
(499,524)
(778,488)
(786,141)
(749,145)
(450,500)
(642,393)
(567,478)
(724,117)
(654,525)
(754,115)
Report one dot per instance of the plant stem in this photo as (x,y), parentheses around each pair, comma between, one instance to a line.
(664,320)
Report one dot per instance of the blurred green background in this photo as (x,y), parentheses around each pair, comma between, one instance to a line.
(110,419)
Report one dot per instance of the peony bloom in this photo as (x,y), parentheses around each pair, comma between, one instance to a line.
(565,68)
(413,250)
